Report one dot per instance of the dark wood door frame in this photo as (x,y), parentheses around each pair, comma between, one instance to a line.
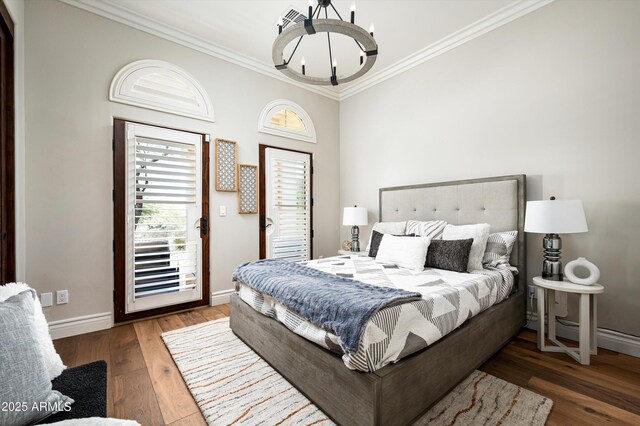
(7,150)
(262,196)
(119,227)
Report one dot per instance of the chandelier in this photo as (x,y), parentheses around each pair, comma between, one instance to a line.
(314,24)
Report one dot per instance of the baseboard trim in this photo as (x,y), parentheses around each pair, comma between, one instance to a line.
(221,297)
(80,325)
(96,322)
(607,339)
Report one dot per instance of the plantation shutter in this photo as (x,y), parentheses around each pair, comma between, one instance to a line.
(164,210)
(289,199)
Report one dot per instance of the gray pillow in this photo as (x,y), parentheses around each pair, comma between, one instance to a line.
(25,394)
(452,255)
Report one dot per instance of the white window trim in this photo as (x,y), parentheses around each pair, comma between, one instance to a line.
(120,90)
(265,126)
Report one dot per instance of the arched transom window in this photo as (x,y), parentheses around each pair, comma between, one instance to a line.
(161,86)
(287,119)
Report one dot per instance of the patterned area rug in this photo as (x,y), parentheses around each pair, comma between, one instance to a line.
(232,385)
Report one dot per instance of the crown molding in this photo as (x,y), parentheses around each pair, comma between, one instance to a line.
(132,19)
(489,23)
(152,26)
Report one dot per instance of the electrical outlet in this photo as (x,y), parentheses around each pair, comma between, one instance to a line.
(62,297)
(46,299)
(532,291)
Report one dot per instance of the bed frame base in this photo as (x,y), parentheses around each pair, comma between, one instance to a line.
(397,394)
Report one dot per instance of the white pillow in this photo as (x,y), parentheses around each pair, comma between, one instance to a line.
(480,235)
(396,228)
(406,252)
(430,228)
(52,361)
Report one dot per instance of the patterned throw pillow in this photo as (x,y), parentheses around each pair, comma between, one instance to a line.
(499,247)
(430,228)
(452,255)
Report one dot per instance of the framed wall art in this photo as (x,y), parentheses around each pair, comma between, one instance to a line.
(226,161)
(248,189)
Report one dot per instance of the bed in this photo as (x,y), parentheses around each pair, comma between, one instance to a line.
(399,393)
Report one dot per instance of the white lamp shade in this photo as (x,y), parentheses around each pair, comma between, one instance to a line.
(354,216)
(555,217)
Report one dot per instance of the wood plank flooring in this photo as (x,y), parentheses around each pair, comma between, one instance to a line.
(144,384)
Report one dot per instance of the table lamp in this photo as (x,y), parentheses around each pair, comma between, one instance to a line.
(355,216)
(553,217)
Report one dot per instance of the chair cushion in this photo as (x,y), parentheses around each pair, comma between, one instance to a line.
(51,359)
(24,380)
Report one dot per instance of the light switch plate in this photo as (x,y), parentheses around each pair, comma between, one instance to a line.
(46,299)
(223,211)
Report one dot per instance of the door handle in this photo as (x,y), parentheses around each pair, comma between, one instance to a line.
(263,223)
(204,225)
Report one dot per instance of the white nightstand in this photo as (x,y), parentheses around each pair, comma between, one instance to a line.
(352,253)
(588,317)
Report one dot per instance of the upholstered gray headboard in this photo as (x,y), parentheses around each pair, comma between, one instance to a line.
(498,201)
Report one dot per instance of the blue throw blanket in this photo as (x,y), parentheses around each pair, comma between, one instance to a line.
(336,304)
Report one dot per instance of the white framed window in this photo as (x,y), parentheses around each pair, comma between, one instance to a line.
(161,86)
(287,119)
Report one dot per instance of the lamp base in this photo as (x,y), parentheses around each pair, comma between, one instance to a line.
(552,265)
(355,238)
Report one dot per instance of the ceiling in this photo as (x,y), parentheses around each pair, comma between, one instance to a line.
(402,27)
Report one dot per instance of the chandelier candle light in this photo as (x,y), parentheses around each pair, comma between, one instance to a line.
(314,24)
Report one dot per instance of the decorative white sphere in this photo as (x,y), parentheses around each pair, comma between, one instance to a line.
(581,261)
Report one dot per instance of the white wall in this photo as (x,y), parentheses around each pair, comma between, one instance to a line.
(554,95)
(71,57)
(16,10)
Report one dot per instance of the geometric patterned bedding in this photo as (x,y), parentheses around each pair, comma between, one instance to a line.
(448,300)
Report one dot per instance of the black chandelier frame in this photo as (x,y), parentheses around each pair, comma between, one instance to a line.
(313,24)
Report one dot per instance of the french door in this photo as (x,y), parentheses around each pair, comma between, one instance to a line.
(286,230)
(7,149)
(161,212)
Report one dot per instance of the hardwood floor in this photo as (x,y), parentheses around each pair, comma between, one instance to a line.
(144,383)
